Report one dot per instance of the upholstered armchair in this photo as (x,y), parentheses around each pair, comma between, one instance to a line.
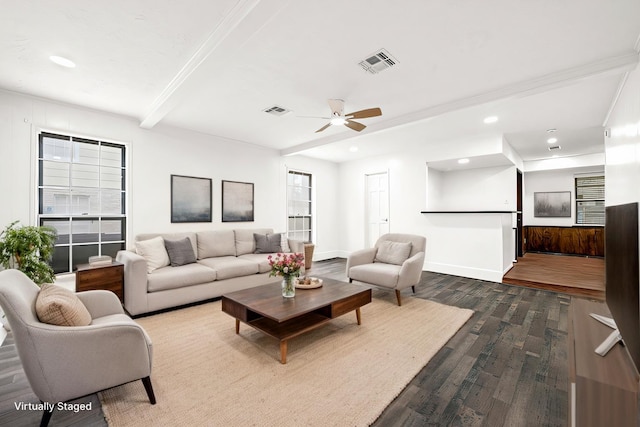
(395,262)
(67,362)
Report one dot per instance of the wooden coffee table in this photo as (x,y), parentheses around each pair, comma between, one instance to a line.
(264,308)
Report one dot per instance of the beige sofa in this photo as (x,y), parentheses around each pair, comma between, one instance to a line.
(225,261)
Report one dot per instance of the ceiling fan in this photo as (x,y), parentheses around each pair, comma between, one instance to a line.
(339,118)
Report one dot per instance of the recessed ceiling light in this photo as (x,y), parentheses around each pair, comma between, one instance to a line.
(463,161)
(62,61)
(353,149)
(552,130)
(552,140)
(490,119)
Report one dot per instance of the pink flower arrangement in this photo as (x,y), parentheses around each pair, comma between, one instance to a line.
(286,264)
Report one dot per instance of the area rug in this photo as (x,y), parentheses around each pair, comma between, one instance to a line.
(340,374)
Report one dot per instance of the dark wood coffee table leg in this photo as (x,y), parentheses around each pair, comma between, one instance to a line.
(237,326)
(283,352)
(358,316)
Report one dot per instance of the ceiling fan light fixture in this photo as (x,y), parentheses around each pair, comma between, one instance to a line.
(339,118)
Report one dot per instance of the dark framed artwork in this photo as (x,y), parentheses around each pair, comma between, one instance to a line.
(237,201)
(553,204)
(190,199)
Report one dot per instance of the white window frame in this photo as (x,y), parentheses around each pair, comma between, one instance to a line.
(295,232)
(42,218)
(579,200)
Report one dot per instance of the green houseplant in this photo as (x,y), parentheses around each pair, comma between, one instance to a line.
(28,249)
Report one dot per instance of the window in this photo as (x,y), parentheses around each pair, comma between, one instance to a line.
(81,193)
(590,200)
(299,206)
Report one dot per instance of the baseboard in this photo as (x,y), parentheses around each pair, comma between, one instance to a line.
(321,256)
(462,271)
(509,267)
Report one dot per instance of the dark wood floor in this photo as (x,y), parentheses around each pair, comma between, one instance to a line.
(507,366)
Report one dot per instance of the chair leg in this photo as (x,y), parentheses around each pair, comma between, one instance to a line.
(350,280)
(399,297)
(413,288)
(149,389)
(46,417)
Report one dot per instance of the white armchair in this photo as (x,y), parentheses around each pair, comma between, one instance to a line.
(395,262)
(67,362)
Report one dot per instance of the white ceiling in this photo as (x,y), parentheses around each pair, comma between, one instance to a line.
(213,67)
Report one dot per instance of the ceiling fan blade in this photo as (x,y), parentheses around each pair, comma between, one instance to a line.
(323,127)
(363,114)
(354,125)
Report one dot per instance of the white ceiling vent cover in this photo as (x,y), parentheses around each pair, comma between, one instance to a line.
(555,147)
(276,110)
(377,62)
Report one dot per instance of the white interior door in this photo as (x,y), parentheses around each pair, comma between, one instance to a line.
(377,208)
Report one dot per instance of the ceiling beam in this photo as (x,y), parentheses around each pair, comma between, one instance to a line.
(562,78)
(166,100)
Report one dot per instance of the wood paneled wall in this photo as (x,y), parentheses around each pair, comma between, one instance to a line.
(565,240)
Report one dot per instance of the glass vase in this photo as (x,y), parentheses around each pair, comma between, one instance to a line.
(289,286)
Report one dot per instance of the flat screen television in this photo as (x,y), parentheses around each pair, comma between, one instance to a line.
(622,273)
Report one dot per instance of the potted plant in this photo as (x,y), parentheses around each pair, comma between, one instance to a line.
(28,249)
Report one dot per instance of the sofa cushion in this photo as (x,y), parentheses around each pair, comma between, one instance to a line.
(230,266)
(245,243)
(216,243)
(268,243)
(393,252)
(378,273)
(179,277)
(56,305)
(260,259)
(154,252)
(171,236)
(180,251)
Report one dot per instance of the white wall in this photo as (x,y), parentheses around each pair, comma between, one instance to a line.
(465,244)
(155,155)
(622,148)
(481,189)
(547,181)
(407,189)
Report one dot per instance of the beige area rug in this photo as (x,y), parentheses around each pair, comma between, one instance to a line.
(340,374)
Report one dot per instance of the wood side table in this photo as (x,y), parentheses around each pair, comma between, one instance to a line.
(105,277)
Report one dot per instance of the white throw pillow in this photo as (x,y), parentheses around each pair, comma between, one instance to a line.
(284,243)
(393,252)
(154,252)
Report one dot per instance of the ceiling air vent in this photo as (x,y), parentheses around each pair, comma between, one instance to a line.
(276,110)
(555,147)
(377,62)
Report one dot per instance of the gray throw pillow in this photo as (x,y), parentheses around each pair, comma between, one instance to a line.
(180,251)
(268,243)
(393,252)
